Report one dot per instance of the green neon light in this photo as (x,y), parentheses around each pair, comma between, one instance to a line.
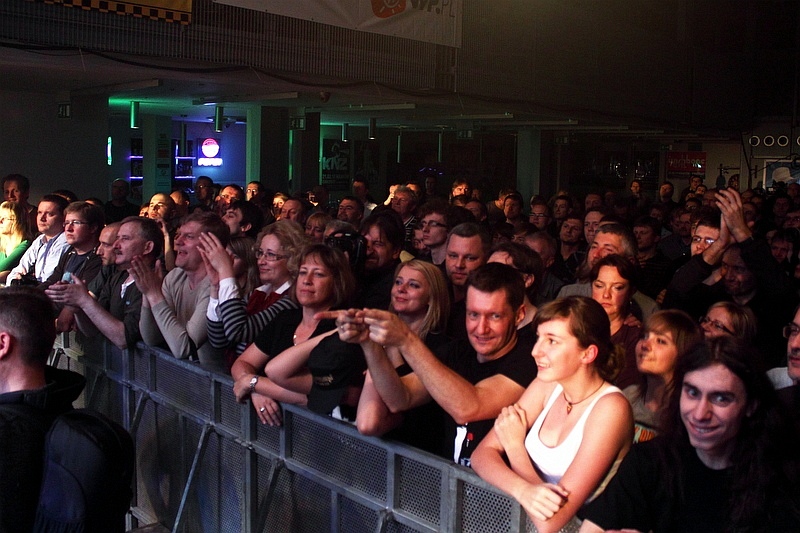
(108,150)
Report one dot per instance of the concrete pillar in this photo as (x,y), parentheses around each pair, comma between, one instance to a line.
(156,155)
(268,147)
(529,143)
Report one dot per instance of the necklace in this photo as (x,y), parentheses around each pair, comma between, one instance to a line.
(570,404)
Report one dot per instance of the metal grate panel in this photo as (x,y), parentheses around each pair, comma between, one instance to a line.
(189,390)
(476,502)
(349,461)
(419,489)
(356,518)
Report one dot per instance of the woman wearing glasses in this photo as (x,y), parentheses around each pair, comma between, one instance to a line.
(237,312)
(729,318)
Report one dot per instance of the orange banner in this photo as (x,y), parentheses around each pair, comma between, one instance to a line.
(168,10)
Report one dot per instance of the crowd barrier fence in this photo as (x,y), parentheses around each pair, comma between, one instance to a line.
(205,463)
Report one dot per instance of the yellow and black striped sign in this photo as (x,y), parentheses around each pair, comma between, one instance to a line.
(168,10)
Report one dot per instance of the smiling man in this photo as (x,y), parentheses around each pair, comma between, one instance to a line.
(174,311)
(473,379)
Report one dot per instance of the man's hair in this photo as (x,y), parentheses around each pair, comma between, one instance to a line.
(524,260)
(184,196)
(235,187)
(250,214)
(649,222)
(534,203)
(514,195)
(505,191)
(453,216)
(88,212)
(27,314)
(705,216)
(59,201)
(458,182)
(472,229)
(22,182)
(211,223)
(149,231)
(204,178)
(356,200)
(546,238)
(629,250)
(409,191)
(389,223)
(493,277)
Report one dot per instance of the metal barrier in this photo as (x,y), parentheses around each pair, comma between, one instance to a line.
(205,464)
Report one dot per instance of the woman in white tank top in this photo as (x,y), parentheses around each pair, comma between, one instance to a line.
(558,446)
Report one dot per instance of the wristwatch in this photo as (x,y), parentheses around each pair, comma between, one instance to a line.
(253,382)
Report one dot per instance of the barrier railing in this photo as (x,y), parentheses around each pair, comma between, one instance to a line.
(205,464)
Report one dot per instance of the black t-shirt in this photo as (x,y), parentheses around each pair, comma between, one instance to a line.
(423,426)
(460,356)
(639,497)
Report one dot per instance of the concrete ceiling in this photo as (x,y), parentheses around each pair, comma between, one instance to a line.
(188,92)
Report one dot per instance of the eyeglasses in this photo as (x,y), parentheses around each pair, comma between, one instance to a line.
(697,239)
(78,223)
(539,215)
(716,324)
(270,256)
(790,330)
(432,224)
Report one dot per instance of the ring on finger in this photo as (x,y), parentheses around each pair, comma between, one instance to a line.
(262,409)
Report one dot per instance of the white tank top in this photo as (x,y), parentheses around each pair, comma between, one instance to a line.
(553,462)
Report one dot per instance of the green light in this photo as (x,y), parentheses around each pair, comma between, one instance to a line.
(108,150)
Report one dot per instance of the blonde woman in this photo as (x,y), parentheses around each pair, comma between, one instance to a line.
(14,236)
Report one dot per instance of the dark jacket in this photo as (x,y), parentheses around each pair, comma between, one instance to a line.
(25,417)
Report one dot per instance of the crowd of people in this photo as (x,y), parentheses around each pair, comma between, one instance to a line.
(613,362)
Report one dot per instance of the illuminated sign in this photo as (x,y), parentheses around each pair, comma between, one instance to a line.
(209,148)
(108,151)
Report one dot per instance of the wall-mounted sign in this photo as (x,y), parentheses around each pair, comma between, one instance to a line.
(693,162)
(209,152)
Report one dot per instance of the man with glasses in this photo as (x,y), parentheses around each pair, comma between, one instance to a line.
(436,218)
(113,308)
(82,225)
(540,217)
(203,194)
(227,195)
(747,275)
(351,210)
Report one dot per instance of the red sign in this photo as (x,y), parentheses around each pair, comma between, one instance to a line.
(693,162)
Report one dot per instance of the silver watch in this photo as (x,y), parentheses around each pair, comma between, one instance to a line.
(253,382)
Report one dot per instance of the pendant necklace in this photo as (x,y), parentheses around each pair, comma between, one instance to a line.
(570,404)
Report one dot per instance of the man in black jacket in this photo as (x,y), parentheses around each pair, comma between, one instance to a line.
(31,396)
